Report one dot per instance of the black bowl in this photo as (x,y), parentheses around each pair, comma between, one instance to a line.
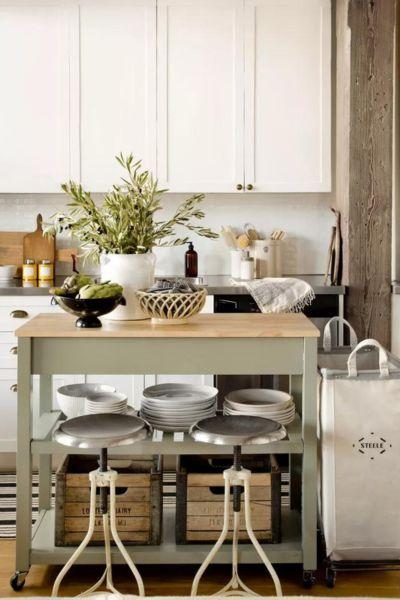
(88,311)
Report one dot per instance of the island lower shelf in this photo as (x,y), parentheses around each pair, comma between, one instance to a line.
(43,550)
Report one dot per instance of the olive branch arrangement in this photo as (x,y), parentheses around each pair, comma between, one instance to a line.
(125,221)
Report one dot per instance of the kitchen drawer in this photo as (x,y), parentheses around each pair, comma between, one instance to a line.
(8,351)
(14,314)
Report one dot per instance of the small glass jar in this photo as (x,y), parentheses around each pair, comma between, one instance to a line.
(247,268)
(46,270)
(29,270)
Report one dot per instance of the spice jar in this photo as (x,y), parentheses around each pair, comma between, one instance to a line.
(247,267)
(46,270)
(29,270)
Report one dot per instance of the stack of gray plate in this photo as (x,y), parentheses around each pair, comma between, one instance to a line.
(177,406)
(270,404)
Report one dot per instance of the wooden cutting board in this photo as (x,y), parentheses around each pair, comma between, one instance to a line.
(11,247)
(37,247)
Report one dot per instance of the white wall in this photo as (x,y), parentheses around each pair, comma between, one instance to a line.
(306,218)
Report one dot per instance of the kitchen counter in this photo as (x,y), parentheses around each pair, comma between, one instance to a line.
(215,284)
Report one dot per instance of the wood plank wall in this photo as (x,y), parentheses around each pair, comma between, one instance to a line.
(364,140)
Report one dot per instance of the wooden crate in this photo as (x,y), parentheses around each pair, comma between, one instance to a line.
(200,492)
(139,500)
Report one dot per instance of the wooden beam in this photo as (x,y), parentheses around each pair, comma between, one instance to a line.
(365,58)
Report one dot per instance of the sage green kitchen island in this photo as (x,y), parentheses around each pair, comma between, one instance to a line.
(227,344)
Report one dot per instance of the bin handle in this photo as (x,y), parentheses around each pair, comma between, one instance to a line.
(383,358)
(327,339)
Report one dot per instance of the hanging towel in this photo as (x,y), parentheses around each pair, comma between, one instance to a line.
(280,294)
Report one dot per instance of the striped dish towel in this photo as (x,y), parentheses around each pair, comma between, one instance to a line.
(281,294)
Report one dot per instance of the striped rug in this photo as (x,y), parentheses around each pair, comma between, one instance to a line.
(8,498)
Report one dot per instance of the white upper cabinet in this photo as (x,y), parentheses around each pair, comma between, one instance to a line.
(288,95)
(117,65)
(34,97)
(244,99)
(200,78)
(212,95)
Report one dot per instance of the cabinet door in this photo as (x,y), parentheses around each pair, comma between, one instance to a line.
(200,95)
(287,95)
(117,69)
(34,98)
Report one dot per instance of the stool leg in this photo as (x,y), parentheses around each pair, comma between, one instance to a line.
(107,548)
(119,543)
(85,540)
(107,574)
(256,543)
(218,543)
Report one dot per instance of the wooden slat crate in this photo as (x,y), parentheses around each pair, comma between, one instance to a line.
(139,500)
(200,493)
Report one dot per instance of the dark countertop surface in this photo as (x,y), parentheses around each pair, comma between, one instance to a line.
(215,284)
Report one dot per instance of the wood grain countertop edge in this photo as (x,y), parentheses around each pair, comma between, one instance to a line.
(242,325)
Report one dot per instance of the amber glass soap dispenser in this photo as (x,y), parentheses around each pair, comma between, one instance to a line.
(191,261)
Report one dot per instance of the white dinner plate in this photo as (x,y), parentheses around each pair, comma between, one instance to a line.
(176,413)
(282,413)
(180,421)
(242,399)
(166,392)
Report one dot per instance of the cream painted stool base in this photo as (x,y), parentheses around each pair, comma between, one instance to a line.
(236,587)
(102,480)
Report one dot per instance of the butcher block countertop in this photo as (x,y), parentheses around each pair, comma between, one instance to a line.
(243,325)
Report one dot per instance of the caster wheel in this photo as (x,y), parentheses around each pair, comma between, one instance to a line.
(330,578)
(308,579)
(17,581)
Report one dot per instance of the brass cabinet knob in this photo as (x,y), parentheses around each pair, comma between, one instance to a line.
(14,350)
(14,388)
(18,314)
(249,187)
(239,186)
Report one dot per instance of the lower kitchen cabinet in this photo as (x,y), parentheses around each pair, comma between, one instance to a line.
(8,410)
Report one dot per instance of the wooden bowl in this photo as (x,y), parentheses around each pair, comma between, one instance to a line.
(171,309)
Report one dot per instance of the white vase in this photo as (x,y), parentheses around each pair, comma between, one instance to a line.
(132,271)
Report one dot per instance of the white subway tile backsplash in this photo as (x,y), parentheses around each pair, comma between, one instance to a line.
(306,218)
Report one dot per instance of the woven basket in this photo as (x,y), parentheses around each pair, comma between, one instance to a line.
(171,309)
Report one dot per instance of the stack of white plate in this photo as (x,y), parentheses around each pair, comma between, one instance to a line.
(106,402)
(176,406)
(270,404)
(71,398)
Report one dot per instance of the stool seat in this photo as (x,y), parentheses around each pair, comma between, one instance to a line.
(101,431)
(238,430)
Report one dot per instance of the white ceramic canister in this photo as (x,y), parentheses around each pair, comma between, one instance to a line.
(236,259)
(132,271)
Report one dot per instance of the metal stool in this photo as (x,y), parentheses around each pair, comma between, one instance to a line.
(236,431)
(102,431)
